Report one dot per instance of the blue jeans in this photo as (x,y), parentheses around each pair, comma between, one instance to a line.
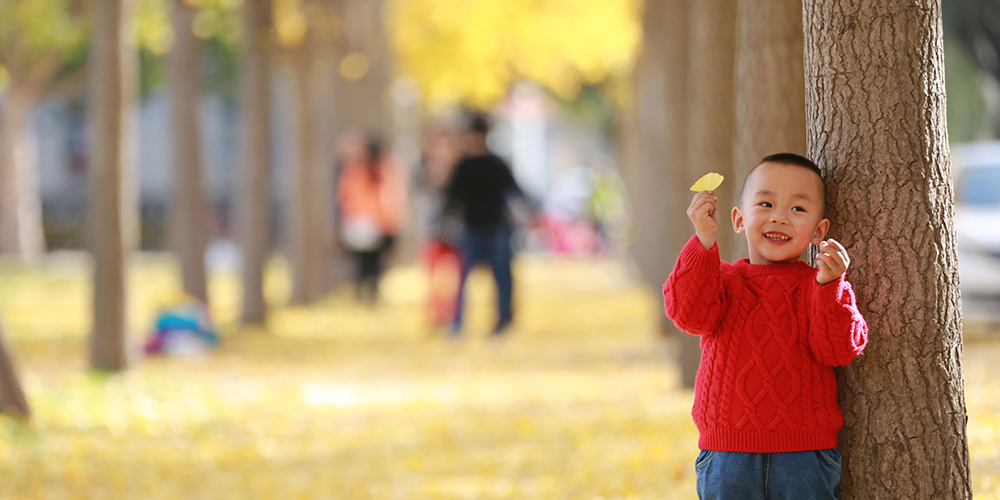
(491,245)
(804,475)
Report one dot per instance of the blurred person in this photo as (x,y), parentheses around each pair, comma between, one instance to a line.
(441,235)
(482,189)
(371,194)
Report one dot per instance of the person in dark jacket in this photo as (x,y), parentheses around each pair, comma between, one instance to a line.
(480,190)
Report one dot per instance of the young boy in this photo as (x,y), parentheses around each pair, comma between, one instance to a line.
(771,330)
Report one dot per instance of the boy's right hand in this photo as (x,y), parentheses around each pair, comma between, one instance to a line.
(704,214)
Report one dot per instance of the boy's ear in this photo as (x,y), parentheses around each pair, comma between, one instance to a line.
(820,234)
(738,220)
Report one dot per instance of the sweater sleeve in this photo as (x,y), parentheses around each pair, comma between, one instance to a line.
(694,296)
(837,332)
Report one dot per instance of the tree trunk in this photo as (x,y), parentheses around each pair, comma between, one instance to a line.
(710,126)
(649,182)
(107,227)
(189,229)
(303,245)
(12,400)
(21,231)
(876,108)
(365,32)
(324,109)
(660,182)
(253,196)
(770,89)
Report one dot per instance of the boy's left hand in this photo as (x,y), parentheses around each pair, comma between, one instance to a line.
(833,261)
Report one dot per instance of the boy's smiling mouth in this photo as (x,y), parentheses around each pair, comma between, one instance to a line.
(777,237)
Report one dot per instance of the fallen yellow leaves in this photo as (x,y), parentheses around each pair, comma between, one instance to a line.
(341,402)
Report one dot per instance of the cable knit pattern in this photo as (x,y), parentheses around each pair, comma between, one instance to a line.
(770,335)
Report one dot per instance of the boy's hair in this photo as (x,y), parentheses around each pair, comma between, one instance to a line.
(789,159)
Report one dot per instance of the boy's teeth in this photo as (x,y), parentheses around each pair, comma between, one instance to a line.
(777,237)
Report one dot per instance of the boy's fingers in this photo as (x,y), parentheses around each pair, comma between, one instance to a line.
(839,247)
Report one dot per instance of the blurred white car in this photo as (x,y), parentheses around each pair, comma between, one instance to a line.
(976,171)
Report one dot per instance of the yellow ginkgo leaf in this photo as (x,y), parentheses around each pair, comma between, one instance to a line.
(708,182)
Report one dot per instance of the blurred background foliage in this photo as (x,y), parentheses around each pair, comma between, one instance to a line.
(472,51)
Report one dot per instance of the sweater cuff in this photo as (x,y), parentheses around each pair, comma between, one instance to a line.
(696,256)
(833,293)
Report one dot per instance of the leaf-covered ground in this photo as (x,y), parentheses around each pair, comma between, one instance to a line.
(338,401)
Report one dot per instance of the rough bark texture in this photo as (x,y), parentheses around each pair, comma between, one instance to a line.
(770,89)
(106,225)
(303,246)
(12,400)
(253,197)
(189,224)
(876,108)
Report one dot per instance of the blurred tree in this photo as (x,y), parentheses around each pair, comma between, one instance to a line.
(770,89)
(36,36)
(12,400)
(188,219)
(876,108)
(306,32)
(252,198)
(460,51)
(710,125)
(111,77)
(658,182)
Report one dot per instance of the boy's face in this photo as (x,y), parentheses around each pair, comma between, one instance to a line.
(781,213)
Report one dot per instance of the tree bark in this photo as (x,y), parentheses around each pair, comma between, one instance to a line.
(12,400)
(303,245)
(365,32)
(324,109)
(107,226)
(770,90)
(710,126)
(189,225)
(876,108)
(659,183)
(21,230)
(253,197)
(649,177)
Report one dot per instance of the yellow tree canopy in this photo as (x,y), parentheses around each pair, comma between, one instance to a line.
(471,51)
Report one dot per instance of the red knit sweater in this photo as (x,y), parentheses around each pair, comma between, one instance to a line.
(770,335)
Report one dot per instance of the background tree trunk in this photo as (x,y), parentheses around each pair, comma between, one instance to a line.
(647,179)
(107,226)
(21,230)
(710,129)
(365,33)
(770,89)
(323,82)
(189,225)
(658,183)
(253,197)
(876,108)
(303,246)
(12,400)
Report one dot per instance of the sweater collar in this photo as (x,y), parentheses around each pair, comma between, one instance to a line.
(799,269)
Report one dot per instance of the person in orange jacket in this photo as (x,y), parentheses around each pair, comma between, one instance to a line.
(371,192)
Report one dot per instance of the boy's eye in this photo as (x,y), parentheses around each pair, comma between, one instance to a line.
(765,204)
(798,209)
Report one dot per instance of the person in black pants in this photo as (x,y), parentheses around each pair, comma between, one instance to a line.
(480,189)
